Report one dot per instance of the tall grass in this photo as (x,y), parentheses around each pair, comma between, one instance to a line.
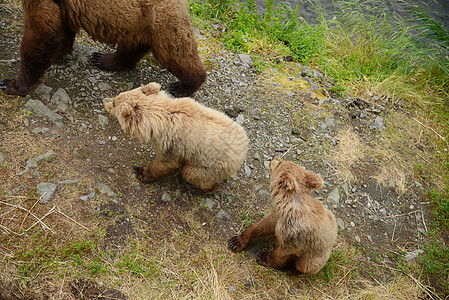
(279,32)
(433,36)
(362,46)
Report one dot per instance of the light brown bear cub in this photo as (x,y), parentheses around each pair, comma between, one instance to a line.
(304,230)
(207,144)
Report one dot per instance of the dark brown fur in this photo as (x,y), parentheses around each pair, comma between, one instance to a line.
(135,26)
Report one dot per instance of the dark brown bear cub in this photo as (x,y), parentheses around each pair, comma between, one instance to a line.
(135,26)
(303,228)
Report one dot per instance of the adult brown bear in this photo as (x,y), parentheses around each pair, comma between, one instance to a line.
(135,26)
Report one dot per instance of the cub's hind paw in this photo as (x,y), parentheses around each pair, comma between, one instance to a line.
(262,258)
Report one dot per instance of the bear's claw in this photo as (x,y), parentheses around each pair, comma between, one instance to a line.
(96,59)
(179,90)
(9,87)
(262,257)
(234,244)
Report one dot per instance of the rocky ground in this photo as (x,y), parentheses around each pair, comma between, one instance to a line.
(60,148)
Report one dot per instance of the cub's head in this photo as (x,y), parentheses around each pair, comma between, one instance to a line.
(289,178)
(129,109)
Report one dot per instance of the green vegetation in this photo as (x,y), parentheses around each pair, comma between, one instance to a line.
(361,47)
(436,262)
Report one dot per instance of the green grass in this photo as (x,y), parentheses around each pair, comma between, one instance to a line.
(280,30)
(435,262)
(361,47)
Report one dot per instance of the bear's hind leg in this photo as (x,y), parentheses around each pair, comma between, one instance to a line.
(262,228)
(124,58)
(311,265)
(67,42)
(174,47)
(203,178)
(42,43)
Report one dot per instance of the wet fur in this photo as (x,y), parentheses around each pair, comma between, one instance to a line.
(303,228)
(135,26)
(207,144)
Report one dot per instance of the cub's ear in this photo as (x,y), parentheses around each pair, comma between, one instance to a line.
(130,109)
(151,88)
(287,183)
(313,181)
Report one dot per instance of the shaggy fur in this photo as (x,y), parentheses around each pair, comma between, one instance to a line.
(206,143)
(135,26)
(304,230)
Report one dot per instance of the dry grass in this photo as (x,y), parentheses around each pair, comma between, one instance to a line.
(350,150)
(392,176)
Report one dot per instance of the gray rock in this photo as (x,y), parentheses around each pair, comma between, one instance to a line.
(197,32)
(392,183)
(229,197)
(209,204)
(340,223)
(413,254)
(103,120)
(88,196)
(68,181)
(345,187)
(40,109)
(247,170)
(222,215)
(313,85)
(34,162)
(166,197)
(245,59)
(39,130)
(329,122)
(178,194)
(26,122)
(104,189)
(240,119)
(297,141)
(378,124)
(2,158)
(317,74)
(81,53)
(383,211)
(334,197)
(103,86)
(232,289)
(45,190)
(43,91)
(307,70)
(61,100)
(266,164)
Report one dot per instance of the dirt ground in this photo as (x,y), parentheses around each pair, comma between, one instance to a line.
(365,147)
